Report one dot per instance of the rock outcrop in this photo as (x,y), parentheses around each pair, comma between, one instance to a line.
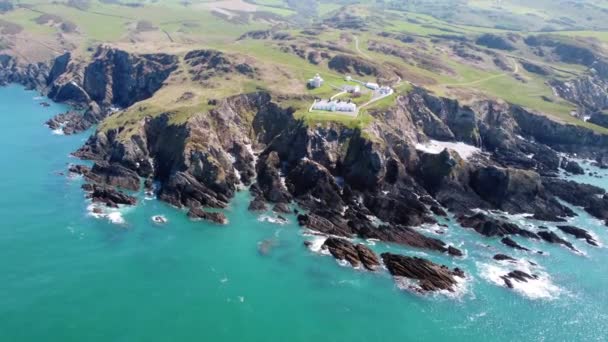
(357,255)
(109,196)
(429,277)
(112,79)
(579,233)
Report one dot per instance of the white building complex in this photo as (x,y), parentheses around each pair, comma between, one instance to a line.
(385,90)
(335,106)
(372,86)
(316,82)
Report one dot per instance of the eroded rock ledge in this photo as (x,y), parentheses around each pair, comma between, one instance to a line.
(429,276)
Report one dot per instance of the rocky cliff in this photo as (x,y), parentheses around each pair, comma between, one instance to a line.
(344,176)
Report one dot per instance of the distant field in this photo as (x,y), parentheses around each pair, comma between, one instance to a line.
(177,27)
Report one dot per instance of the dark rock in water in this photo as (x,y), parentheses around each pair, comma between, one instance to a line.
(108,196)
(356,255)
(519,276)
(45,104)
(579,233)
(407,236)
(430,276)
(79,169)
(115,175)
(511,243)
(489,226)
(257,204)
(582,195)
(438,211)
(200,214)
(572,167)
(502,257)
(69,122)
(281,208)
(551,237)
(454,251)
(324,225)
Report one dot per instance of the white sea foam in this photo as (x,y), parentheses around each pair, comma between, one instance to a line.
(434,146)
(272,219)
(159,219)
(58,131)
(116,217)
(541,288)
(412,285)
(113,215)
(316,244)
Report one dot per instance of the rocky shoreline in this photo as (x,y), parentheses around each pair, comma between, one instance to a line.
(373,184)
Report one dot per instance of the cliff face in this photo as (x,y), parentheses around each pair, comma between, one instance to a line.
(32,76)
(198,163)
(328,168)
(113,78)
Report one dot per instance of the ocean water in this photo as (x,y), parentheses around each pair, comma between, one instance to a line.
(68,276)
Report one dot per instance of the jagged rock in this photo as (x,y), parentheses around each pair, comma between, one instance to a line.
(430,276)
(454,251)
(579,233)
(502,257)
(324,225)
(114,175)
(551,237)
(490,227)
(572,167)
(108,196)
(257,204)
(406,236)
(269,179)
(356,255)
(281,208)
(438,211)
(519,276)
(511,243)
(79,169)
(311,178)
(200,214)
(582,195)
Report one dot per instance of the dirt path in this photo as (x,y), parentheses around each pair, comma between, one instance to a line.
(359,49)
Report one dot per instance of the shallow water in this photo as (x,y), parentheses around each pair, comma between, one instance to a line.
(68,276)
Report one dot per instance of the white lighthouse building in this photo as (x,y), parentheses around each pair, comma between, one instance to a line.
(315,82)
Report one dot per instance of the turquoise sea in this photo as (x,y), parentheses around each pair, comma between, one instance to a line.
(67,276)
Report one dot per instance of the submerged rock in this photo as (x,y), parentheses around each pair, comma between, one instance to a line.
(430,277)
